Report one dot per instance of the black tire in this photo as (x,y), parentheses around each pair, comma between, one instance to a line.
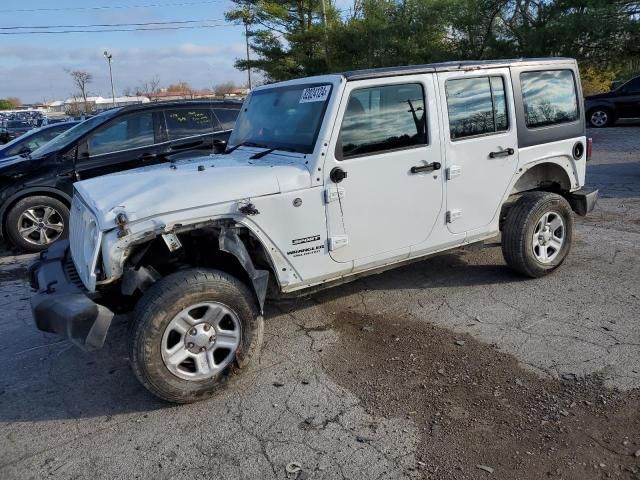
(605,114)
(35,203)
(162,302)
(520,226)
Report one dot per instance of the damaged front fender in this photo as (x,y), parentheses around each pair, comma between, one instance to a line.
(229,242)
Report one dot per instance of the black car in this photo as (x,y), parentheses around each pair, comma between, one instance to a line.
(623,102)
(13,129)
(34,139)
(36,188)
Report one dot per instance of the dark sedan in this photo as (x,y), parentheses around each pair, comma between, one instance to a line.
(33,139)
(623,102)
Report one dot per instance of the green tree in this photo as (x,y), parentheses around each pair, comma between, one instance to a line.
(9,103)
(288,36)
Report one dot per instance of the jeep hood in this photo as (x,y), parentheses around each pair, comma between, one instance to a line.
(187,184)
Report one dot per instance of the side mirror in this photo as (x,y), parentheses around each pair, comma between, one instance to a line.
(24,150)
(219,146)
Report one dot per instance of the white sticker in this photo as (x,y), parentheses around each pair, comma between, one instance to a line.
(315,94)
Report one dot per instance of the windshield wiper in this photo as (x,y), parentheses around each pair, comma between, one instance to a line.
(268,151)
(261,154)
(244,144)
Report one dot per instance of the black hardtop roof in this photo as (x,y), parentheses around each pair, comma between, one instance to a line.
(180,103)
(450,66)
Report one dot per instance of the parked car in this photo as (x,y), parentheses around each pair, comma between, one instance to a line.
(36,189)
(326,179)
(13,129)
(33,139)
(622,103)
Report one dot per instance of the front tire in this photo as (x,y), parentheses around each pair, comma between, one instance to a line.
(34,223)
(191,331)
(537,233)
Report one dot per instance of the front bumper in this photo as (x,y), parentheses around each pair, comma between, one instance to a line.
(61,305)
(583,202)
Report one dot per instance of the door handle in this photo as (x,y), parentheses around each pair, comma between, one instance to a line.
(148,156)
(502,153)
(429,167)
(182,146)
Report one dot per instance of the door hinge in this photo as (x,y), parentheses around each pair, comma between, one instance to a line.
(333,193)
(453,171)
(453,215)
(338,241)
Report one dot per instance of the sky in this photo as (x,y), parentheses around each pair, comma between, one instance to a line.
(33,66)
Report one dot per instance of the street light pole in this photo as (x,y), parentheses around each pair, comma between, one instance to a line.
(246,36)
(109,56)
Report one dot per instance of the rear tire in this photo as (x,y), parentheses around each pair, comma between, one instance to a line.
(600,118)
(537,233)
(34,223)
(222,334)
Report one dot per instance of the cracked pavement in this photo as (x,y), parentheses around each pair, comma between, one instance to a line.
(68,414)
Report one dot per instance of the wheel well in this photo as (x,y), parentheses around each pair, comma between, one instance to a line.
(200,248)
(546,176)
(31,193)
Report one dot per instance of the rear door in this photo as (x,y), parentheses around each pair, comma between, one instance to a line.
(128,141)
(481,144)
(192,128)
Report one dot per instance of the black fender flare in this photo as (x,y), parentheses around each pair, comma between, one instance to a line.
(230,242)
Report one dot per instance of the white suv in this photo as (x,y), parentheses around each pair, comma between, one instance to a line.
(324,179)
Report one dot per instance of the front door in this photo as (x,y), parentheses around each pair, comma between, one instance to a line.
(387,143)
(126,142)
(628,103)
(481,145)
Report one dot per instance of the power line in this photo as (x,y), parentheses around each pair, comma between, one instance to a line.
(108,7)
(113,24)
(32,32)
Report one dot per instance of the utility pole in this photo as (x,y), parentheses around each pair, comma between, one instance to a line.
(109,56)
(326,37)
(246,37)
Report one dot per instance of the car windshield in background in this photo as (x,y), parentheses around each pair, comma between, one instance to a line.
(73,133)
(285,118)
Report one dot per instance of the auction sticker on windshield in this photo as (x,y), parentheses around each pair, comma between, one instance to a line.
(315,94)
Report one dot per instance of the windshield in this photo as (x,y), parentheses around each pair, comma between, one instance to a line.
(287,118)
(74,133)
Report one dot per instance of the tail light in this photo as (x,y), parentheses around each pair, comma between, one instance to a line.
(589,148)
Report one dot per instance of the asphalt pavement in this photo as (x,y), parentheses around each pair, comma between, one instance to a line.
(352,381)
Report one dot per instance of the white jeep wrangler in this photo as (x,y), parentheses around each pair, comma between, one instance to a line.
(324,179)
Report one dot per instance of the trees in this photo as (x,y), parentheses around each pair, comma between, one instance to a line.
(9,103)
(288,36)
(81,80)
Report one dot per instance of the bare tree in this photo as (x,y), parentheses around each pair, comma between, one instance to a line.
(82,80)
(225,88)
(149,88)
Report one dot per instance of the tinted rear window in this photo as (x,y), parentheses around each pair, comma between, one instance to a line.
(189,122)
(549,97)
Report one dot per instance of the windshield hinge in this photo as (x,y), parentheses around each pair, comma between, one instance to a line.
(338,241)
(332,194)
